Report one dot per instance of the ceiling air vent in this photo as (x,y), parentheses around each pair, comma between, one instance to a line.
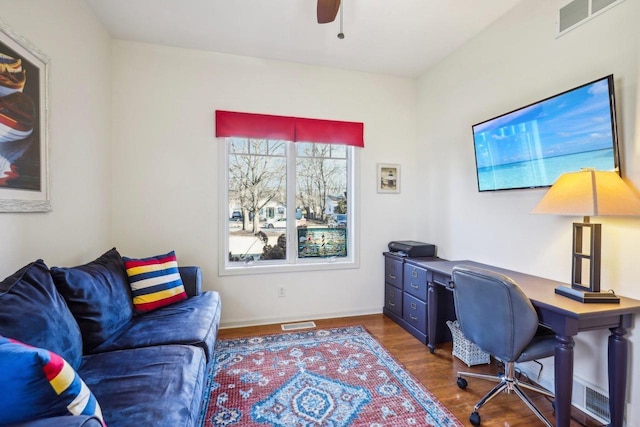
(578,12)
(598,5)
(573,13)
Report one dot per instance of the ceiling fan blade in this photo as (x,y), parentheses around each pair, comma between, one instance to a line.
(327,10)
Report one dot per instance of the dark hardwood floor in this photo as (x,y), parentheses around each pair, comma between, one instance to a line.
(438,374)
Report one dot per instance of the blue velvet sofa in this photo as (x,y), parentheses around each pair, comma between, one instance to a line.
(144,369)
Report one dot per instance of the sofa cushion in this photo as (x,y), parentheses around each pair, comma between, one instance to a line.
(41,384)
(98,296)
(193,321)
(155,281)
(32,311)
(152,386)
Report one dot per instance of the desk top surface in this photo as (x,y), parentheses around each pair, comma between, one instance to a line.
(540,291)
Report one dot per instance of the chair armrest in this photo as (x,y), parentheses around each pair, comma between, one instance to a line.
(62,421)
(191,279)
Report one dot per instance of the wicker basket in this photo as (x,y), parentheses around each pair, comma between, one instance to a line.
(464,349)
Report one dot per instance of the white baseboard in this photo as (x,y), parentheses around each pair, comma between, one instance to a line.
(297,318)
(579,395)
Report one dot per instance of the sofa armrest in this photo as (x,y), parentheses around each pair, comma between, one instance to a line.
(63,421)
(192,280)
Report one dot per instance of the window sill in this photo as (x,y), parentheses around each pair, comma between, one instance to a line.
(265,267)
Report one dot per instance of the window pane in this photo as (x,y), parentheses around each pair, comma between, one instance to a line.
(257,200)
(277,148)
(339,151)
(238,145)
(304,149)
(321,198)
(308,149)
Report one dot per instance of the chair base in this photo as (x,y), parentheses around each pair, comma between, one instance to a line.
(508,383)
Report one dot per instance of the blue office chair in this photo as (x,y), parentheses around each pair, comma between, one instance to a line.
(497,316)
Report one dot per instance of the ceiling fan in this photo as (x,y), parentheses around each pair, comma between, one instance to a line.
(327,10)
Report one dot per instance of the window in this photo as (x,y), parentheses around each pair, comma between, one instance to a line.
(289,186)
(288,204)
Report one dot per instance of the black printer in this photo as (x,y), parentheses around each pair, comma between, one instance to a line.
(412,248)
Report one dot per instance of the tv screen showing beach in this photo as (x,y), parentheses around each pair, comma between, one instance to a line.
(532,146)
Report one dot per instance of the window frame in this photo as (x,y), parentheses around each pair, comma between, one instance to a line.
(292,263)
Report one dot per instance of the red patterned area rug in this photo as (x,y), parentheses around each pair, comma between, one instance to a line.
(324,377)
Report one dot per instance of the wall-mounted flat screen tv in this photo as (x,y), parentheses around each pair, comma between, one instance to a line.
(532,146)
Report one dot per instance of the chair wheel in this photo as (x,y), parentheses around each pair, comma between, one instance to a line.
(462,383)
(475,419)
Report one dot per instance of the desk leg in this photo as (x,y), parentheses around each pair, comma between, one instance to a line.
(563,379)
(618,354)
(432,316)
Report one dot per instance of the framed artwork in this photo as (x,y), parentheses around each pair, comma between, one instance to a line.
(24,174)
(322,242)
(388,178)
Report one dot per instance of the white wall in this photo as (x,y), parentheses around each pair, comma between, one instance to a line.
(78,229)
(165,169)
(516,61)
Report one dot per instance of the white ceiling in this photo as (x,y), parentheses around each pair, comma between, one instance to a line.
(397,37)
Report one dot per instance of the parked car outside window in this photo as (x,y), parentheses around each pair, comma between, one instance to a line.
(282,223)
(338,221)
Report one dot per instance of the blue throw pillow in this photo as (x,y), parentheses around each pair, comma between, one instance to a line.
(32,311)
(98,295)
(38,384)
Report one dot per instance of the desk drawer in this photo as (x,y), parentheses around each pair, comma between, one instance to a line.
(415,312)
(393,299)
(441,279)
(393,271)
(415,281)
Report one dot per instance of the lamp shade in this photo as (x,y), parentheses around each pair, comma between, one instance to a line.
(589,193)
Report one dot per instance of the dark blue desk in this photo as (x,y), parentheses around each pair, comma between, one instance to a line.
(566,317)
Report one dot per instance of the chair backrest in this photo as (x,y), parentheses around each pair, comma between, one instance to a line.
(493,312)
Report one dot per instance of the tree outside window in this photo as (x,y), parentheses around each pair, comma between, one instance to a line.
(279,190)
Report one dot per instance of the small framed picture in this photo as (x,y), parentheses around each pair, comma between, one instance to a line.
(388,178)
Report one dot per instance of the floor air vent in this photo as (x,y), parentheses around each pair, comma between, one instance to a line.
(597,403)
(590,400)
(296,326)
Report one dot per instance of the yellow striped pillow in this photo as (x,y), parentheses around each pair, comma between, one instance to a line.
(155,281)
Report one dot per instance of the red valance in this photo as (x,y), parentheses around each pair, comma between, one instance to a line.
(248,125)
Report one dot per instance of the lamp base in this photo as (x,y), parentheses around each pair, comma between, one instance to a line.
(587,297)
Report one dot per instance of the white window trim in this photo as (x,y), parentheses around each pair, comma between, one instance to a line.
(352,260)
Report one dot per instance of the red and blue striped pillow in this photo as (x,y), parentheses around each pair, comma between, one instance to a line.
(155,281)
(40,384)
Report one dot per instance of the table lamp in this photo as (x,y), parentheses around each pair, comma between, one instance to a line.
(588,193)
